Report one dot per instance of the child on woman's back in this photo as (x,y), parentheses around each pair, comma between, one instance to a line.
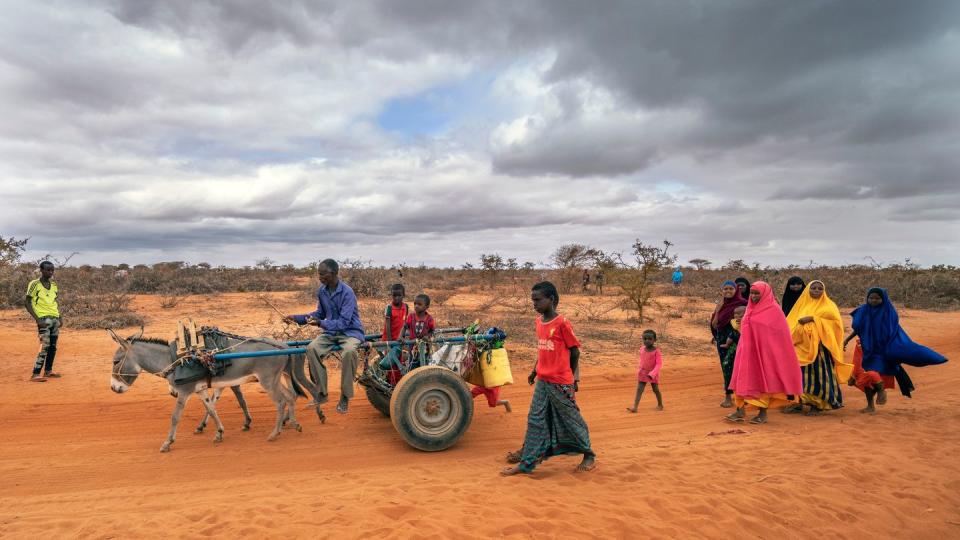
(648,370)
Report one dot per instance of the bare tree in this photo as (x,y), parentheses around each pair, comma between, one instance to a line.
(636,281)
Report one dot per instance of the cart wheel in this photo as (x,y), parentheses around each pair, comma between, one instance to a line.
(379,401)
(431,408)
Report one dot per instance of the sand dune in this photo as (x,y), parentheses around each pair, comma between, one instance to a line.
(77,460)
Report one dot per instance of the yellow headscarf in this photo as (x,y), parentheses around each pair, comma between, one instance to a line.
(826,328)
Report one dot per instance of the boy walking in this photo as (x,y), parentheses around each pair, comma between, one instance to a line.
(41,304)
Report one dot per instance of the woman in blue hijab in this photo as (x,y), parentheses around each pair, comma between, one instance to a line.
(886,347)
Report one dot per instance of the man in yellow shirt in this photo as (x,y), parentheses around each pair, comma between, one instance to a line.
(41,303)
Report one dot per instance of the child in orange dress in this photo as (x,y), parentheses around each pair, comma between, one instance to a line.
(870,383)
(648,370)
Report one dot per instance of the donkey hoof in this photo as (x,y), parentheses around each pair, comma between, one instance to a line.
(298,427)
(198,431)
(273,437)
(246,427)
(164,448)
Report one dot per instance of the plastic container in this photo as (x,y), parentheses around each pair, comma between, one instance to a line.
(495,366)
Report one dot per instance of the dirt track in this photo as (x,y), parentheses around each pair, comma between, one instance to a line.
(77,460)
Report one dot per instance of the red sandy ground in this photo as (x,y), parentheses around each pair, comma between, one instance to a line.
(77,460)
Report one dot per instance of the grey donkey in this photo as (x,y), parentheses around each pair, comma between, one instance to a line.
(152,355)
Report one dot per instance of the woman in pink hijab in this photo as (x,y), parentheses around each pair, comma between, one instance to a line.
(766,369)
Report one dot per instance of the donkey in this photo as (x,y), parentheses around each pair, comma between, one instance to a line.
(152,355)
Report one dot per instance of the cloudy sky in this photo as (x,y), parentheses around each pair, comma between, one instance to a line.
(430,131)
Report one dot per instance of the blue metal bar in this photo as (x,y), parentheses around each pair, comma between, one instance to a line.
(374,337)
(476,338)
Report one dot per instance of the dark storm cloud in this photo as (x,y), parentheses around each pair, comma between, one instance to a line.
(161,125)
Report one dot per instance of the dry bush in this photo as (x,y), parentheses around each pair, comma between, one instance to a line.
(96,301)
(598,310)
(171,298)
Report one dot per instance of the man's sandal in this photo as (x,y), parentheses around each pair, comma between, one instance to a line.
(37,378)
(52,375)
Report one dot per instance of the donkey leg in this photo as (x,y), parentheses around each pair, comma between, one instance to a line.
(272,386)
(174,420)
(206,415)
(243,407)
(212,411)
(291,399)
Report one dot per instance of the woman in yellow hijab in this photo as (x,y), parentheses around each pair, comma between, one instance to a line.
(817,330)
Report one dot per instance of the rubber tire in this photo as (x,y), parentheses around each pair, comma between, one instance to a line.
(442,382)
(379,401)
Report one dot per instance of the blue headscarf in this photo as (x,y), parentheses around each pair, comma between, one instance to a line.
(885,345)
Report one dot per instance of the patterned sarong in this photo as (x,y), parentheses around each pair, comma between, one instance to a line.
(820,385)
(554,426)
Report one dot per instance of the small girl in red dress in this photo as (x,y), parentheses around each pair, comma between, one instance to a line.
(648,370)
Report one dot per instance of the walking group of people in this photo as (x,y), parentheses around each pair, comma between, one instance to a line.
(791,354)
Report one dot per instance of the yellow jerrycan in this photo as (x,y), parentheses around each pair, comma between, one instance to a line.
(495,366)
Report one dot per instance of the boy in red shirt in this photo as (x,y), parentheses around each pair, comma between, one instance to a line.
(554,423)
(396,314)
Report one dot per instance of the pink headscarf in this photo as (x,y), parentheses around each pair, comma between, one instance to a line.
(766,362)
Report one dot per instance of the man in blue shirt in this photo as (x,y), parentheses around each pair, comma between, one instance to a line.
(338,316)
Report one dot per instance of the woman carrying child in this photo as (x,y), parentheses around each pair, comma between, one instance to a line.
(817,330)
(648,370)
(554,423)
(720,325)
(885,348)
(766,370)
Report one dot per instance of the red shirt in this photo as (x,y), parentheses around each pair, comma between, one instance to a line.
(395,317)
(418,328)
(554,340)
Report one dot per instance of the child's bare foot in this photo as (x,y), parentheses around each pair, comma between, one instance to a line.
(589,463)
(727,403)
(510,471)
(659,407)
(506,405)
(632,409)
(868,410)
(881,395)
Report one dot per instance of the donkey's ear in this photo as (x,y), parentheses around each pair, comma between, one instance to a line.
(138,335)
(122,342)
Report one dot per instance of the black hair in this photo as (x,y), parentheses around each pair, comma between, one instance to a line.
(548,289)
(425,298)
(45,263)
(398,287)
(649,332)
(331,265)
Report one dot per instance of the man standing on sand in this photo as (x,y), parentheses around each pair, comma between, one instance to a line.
(337,314)
(41,304)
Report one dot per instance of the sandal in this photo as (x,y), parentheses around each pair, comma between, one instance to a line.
(733,418)
(52,375)
(758,420)
(792,409)
(514,457)
(37,378)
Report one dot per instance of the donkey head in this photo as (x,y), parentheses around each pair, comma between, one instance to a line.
(126,366)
